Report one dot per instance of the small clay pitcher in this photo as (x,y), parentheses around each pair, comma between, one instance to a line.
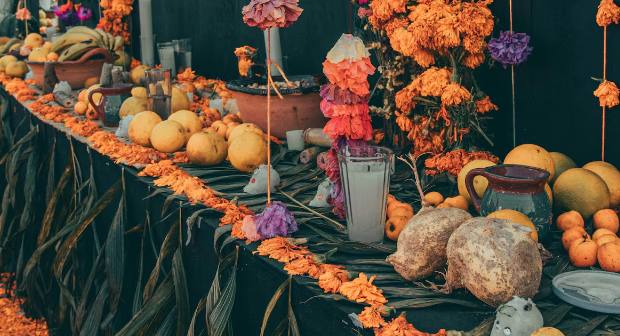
(516,187)
(112,97)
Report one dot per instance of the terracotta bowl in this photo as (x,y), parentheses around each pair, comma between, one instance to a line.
(299,110)
(74,72)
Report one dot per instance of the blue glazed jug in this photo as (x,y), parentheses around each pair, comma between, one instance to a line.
(112,98)
(515,187)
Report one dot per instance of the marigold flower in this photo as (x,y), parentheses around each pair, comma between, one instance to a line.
(608,94)
(452,162)
(454,94)
(608,12)
(331,280)
(370,318)
(484,105)
(400,327)
(187,76)
(432,82)
(403,122)
(384,9)
(424,57)
(163,167)
(280,249)
(472,61)
(362,290)
(394,24)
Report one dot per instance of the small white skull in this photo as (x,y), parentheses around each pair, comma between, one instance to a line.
(322,193)
(123,127)
(517,317)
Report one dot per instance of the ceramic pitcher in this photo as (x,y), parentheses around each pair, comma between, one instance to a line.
(112,97)
(514,187)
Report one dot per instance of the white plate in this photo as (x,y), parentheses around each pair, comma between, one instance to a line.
(597,291)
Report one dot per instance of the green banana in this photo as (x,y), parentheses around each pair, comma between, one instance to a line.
(119,41)
(69,39)
(110,42)
(102,34)
(8,45)
(77,50)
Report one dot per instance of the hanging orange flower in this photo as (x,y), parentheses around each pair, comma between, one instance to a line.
(424,57)
(484,105)
(432,82)
(331,280)
(370,318)
(608,12)
(362,290)
(404,98)
(454,94)
(403,122)
(608,94)
(473,61)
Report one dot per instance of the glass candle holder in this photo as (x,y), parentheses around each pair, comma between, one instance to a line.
(182,54)
(166,56)
(159,91)
(147,48)
(365,176)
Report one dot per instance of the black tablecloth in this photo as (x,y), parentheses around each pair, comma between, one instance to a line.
(257,277)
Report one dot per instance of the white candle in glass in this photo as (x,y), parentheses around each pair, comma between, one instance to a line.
(276,49)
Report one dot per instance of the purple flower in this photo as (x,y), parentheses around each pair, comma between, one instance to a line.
(69,17)
(276,220)
(510,48)
(84,14)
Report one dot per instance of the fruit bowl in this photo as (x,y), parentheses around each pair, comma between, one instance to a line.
(299,110)
(74,72)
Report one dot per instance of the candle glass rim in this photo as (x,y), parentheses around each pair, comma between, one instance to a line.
(380,153)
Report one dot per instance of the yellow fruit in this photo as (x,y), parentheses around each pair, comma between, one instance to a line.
(480,182)
(533,156)
(206,149)
(6,60)
(190,121)
(580,190)
(549,192)
(434,198)
(33,40)
(168,136)
(133,106)
(248,151)
(47,46)
(138,73)
(141,126)
(547,331)
(562,163)
(180,100)
(242,129)
(139,92)
(4,39)
(52,57)
(124,59)
(17,69)
(96,96)
(16,47)
(518,218)
(458,202)
(611,176)
(37,53)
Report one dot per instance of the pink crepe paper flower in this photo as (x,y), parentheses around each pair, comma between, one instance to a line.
(271,13)
(23,14)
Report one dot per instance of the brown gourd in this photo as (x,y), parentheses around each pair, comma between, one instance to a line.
(422,243)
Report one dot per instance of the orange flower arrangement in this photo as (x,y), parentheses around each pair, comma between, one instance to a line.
(453,162)
(400,327)
(361,289)
(186,77)
(370,318)
(113,14)
(608,13)
(454,94)
(280,249)
(331,280)
(484,105)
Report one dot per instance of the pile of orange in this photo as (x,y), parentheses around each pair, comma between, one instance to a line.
(398,214)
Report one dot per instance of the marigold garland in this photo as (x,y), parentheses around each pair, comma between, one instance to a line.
(452,162)
(113,16)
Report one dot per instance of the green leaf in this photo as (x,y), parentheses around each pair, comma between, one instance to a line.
(93,320)
(218,233)
(168,246)
(272,304)
(583,328)
(54,199)
(227,241)
(214,292)
(554,315)
(115,257)
(161,298)
(201,306)
(165,328)
(81,309)
(169,200)
(68,244)
(30,183)
(137,297)
(218,318)
(292,320)
(181,294)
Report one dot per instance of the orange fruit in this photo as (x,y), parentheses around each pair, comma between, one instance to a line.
(582,252)
(606,219)
(601,232)
(608,238)
(458,202)
(444,205)
(394,226)
(80,108)
(404,210)
(533,156)
(608,256)
(392,205)
(82,96)
(92,114)
(571,235)
(569,220)
(434,198)
(390,199)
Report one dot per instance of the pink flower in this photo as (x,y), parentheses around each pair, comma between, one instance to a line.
(271,13)
(363,12)
(363,1)
(23,14)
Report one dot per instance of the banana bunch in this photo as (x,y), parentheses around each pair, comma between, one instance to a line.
(79,40)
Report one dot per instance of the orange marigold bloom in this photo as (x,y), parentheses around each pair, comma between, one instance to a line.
(472,61)
(607,94)
(280,249)
(402,40)
(236,230)
(180,157)
(452,162)
(362,290)
(400,327)
(187,76)
(331,280)
(474,19)
(418,10)
(432,82)
(384,9)
(404,98)
(164,167)
(608,12)
(424,57)
(370,318)
(455,94)
(484,105)
(302,266)
(394,24)
(403,122)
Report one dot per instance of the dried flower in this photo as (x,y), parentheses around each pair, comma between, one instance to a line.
(331,281)
(363,12)
(400,327)
(403,122)
(362,290)
(84,14)
(510,48)
(608,12)
(274,221)
(271,13)
(452,162)
(23,14)
(454,94)
(608,94)
(370,318)
(281,249)
(484,105)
